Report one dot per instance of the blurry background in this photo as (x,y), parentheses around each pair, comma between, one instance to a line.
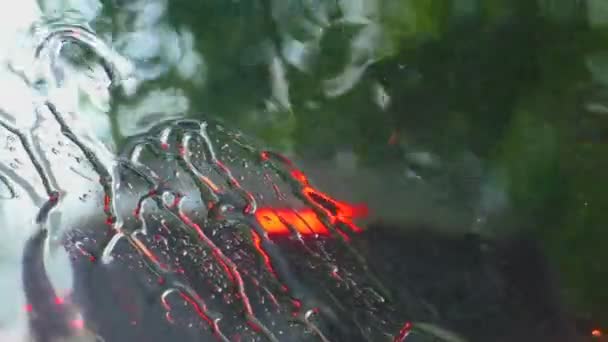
(470,115)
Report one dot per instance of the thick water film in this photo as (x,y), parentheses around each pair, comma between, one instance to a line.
(139,204)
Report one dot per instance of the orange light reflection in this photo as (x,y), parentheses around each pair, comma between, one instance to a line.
(275,221)
(304,221)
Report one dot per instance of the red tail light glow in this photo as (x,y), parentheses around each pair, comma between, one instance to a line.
(306,221)
(276,221)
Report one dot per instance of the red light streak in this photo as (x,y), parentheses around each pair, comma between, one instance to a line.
(210,184)
(404,332)
(199,311)
(141,247)
(106,203)
(344,211)
(257,242)
(299,176)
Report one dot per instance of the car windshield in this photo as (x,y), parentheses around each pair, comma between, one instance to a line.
(303,170)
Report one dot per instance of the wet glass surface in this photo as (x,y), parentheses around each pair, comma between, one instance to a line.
(306,170)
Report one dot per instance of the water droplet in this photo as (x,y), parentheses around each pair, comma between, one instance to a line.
(168,198)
